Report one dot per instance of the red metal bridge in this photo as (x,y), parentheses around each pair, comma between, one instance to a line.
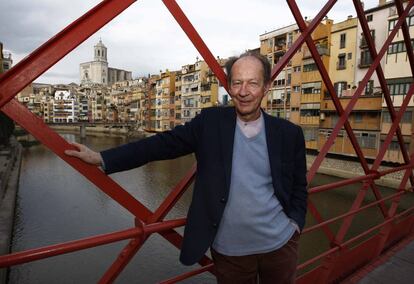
(345,254)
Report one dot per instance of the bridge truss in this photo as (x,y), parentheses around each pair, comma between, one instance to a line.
(343,256)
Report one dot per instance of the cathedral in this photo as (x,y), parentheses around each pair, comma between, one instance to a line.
(98,72)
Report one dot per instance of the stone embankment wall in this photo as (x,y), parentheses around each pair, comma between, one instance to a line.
(348,169)
(10,160)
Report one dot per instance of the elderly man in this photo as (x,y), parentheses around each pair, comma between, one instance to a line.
(250,198)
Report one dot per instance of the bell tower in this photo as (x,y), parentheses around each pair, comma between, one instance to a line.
(100,52)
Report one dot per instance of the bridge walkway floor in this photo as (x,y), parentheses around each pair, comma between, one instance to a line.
(396,266)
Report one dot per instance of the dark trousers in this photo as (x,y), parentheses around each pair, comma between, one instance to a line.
(278,266)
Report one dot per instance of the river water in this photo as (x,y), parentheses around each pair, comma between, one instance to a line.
(56,204)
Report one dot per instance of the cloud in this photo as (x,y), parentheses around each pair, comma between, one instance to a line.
(146,38)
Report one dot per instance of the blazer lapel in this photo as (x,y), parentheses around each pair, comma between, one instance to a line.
(227,129)
(274,148)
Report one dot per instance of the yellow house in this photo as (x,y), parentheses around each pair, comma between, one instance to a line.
(307,83)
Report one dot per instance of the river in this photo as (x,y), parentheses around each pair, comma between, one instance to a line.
(56,204)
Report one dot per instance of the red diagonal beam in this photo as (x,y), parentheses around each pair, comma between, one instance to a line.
(40,60)
(357,94)
(301,39)
(337,103)
(361,15)
(197,41)
(380,73)
(395,125)
(133,246)
(90,242)
(58,145)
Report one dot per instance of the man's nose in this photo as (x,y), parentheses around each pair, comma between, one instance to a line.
(244,91)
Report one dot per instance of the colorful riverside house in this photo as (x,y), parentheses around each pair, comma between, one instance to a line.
(307,84)
(193,76)
(209,90)
(177,98)
(151,104)
(164,93)
(274,45)
(398,75)
(365,117)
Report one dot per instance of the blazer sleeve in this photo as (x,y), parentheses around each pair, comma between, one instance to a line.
(300,192)
(180,141)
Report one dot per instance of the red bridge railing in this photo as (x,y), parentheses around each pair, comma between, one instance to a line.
(343,256)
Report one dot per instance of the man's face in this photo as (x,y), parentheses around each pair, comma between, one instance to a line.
(247,87)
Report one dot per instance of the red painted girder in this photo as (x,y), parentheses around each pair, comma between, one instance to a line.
(133,246)
(350,241)
(27,70)
(318,217)
(325,76)
(57,144)
(197,41)
(208,267)
(372,175)
(63,248)
(380,73)
(395,125)
(351,212)
(351,104)
(301,39)
(174,196)
(328,83)
(359,199)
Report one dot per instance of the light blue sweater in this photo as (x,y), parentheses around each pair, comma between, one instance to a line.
(253,220)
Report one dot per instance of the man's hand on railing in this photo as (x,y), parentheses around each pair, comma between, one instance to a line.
(85,154)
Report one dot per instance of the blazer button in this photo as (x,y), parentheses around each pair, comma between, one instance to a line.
(223,200)
(215,225)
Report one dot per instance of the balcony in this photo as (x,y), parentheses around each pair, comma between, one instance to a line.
(322,50)
(363,42)
(281,48)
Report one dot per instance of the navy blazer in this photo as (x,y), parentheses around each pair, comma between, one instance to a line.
(210,137)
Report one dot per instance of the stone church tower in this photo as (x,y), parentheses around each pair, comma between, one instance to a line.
(98,72)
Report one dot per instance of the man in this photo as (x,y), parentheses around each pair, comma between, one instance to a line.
(249,198)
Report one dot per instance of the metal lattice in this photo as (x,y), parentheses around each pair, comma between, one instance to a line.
(333,263)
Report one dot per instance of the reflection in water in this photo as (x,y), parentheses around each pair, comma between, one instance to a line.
(56,204)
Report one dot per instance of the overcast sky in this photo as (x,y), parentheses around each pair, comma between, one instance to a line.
(145,38)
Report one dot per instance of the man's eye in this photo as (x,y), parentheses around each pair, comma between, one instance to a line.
(236,83)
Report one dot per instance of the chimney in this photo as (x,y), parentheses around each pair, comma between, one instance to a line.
(381,2)
(349,17)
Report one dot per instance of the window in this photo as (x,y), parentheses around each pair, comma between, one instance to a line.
(397,47)
(369,88)
(367,140)
(296,69)
(366,59)
(391,24)
(358,117)
(296,89)
(395,146)
(369,18)
(342,42)
(310,134)
(341,64)
(350,56)
(309,112)
(339,87)
(310,67)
